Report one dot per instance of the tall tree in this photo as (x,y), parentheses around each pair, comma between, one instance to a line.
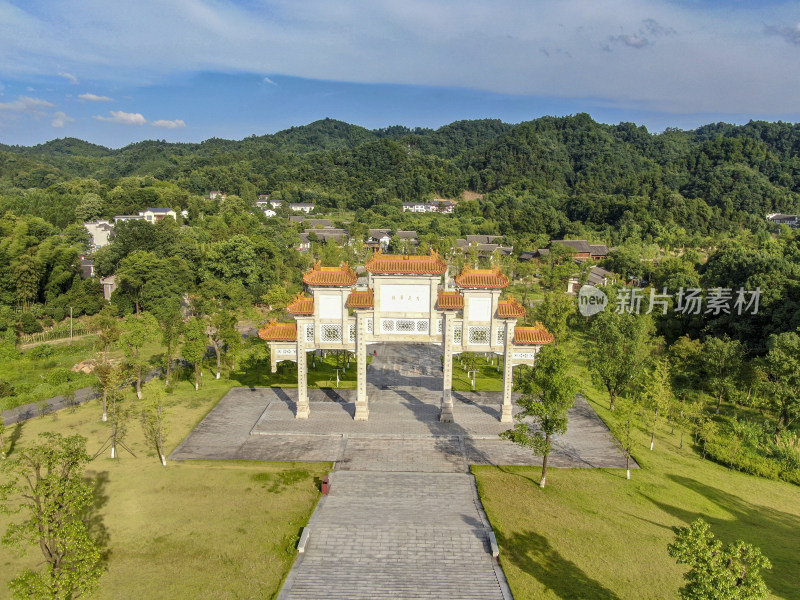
(657,397)
(154,419)
(46,483)
(137,331)
(722,362)
(781,372)
(553,312)
(548,394)
(619,349)
(732,572)
(194,346)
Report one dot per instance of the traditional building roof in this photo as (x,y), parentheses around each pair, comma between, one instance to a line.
(599,249)
(510,308)
(482,278)
(361,299)
(398,264)
(342,276)
(532,336)
(278,332)
(450,301)
(579,246)
(301,305)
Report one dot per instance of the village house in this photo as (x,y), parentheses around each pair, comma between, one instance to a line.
(100,232)
(154,215)
(597,276)
(305,207)
(784,219)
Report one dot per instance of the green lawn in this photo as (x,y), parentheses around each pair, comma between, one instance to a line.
(36,379)
(209,529)
(487,378)
(593,534)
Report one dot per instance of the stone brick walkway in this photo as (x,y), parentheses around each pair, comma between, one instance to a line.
(398,536)
(403,520)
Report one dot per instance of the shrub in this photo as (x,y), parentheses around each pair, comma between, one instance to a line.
(27,323)
(56,377)
(40,352)
(6,389)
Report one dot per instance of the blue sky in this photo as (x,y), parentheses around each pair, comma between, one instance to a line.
(186,70)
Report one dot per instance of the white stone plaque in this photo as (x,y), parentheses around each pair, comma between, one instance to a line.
(480,309)
(409,298)
(330,307)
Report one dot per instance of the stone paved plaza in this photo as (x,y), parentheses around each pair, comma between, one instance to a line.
(403,519)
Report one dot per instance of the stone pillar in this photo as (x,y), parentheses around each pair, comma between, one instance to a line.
(273,359)
(446,414)
(303,408)
(506,414)
(362,403)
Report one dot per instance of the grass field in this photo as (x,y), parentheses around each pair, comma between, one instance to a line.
(190,530)
(593,534)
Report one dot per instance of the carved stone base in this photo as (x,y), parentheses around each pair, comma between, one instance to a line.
(446,414)
(362,411)
(303,410)
(506,414)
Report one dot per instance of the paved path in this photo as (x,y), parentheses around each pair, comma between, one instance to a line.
(403,520)
(398,536)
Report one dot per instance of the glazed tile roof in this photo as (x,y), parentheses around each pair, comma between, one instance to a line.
(482,278)
(361,299)
(342,276)
(450,301)
(398,264)
(532,336)
(301,305)
(510,309)
(278,332)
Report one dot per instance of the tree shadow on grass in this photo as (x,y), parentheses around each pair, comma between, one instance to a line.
(93,516)
(14,438)
(533,554)
(773,531)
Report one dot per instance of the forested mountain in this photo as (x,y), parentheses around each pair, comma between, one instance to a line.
(718,177)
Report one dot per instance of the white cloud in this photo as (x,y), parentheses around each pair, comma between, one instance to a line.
(26,104)
(70,77)
(124,118)
(693,56)
(95,98)
(269,81)
(60,119)
(176,124)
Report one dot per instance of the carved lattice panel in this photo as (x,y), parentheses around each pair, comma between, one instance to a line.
(404,326)
(501,336)
(387,325)
(439,325)
(331,333)
(351,335)
(309,332)
(478,335)
(457,334)
(369,326)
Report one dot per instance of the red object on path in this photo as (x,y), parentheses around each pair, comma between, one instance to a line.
(374,353)
(326,485)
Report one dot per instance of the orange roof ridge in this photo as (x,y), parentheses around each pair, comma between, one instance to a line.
(510,308)
(482,278)
(343,275)
(301,305)
(405,264)
(533,336)
(450,300)
(278,332)
(361,299)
